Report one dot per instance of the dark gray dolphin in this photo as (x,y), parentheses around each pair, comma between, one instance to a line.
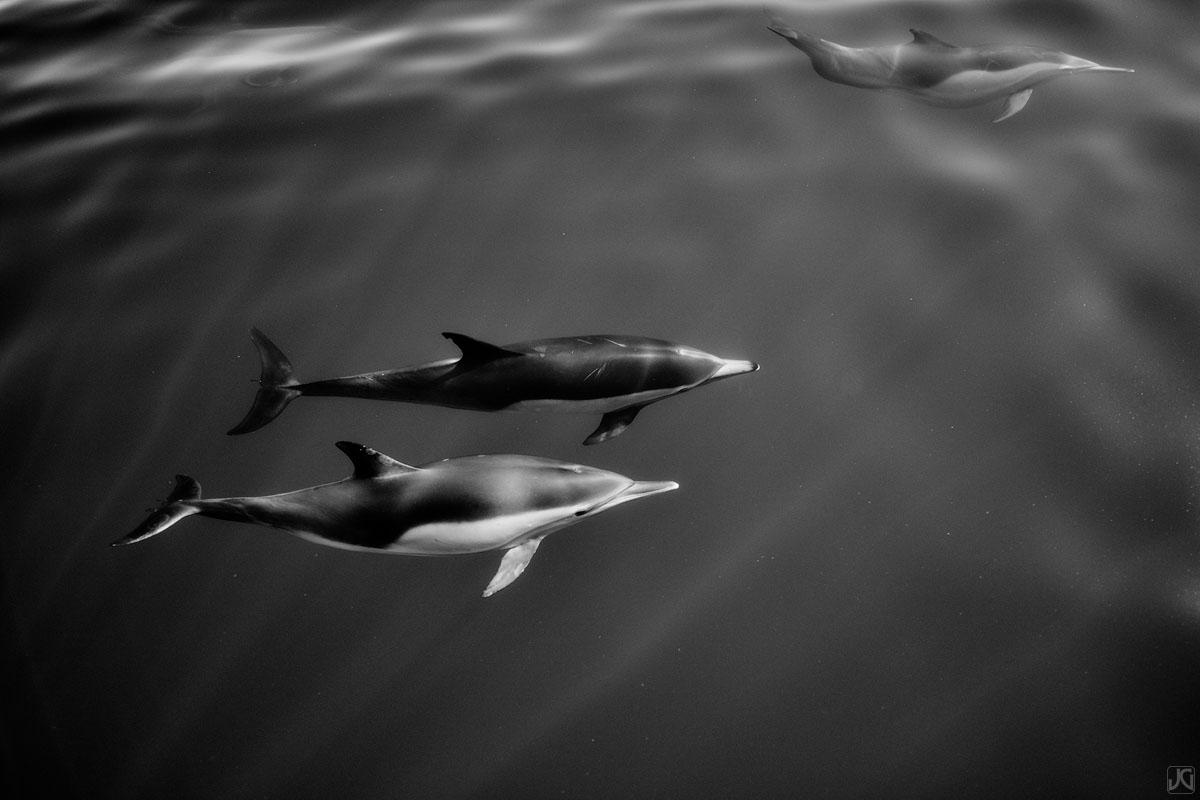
(474,504)
(616,376)
(939,73)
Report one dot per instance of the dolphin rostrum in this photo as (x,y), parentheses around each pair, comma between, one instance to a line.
(473,504)
(939,73)
(616,376)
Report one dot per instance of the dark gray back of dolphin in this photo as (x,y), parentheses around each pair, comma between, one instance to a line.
(615,376)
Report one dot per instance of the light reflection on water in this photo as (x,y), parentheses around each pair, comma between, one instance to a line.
(942,541)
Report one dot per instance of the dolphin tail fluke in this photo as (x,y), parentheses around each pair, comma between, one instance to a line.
(277,386)
(179,504)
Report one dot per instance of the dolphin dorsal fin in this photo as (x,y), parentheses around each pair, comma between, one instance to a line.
(921,37)
(369,463)
(475,352)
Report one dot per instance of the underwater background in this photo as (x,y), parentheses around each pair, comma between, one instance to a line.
(944,543)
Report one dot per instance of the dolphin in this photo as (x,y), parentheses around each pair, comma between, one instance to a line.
(616,376)
(940,73)
(473,504)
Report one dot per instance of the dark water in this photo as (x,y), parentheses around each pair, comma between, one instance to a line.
(943,544)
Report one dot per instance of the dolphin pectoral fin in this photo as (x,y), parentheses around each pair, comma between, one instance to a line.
(613,424)
(512,565)
(1013,103)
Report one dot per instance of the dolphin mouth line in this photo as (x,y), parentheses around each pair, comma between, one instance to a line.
(730,368)
(634,491)
(1099,68)
(647,488)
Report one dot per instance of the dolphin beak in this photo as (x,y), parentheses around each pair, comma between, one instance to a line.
(730,368)
(647,488)
(1083,65)
(1099,68)
(638,489)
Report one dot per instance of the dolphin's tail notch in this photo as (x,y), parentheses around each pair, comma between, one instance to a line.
(276,386)
(179,504)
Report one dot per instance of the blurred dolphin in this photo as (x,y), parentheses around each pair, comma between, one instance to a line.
(616,376)
(473,504)
(940,73)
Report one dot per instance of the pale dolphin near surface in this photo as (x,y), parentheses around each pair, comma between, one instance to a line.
(940,73)
(473,504)
(616,376)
